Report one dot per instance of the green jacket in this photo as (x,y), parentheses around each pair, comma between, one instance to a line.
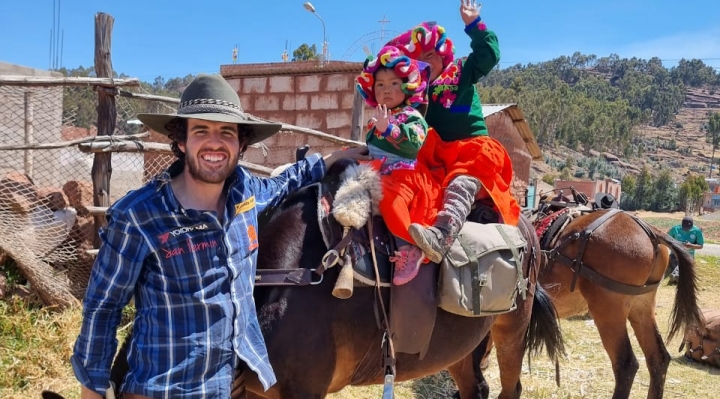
(405,134)
(454,108)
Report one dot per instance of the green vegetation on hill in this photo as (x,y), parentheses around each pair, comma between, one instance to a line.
(596,101)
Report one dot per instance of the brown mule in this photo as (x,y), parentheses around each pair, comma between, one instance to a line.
(622,262)
(319,345)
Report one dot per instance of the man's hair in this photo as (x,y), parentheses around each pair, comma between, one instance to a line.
(687,222)
(178,134)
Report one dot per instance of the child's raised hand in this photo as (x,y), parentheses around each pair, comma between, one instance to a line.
(381,118)
(469,11)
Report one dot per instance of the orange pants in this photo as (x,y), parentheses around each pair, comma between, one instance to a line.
(409,196)
(481,157)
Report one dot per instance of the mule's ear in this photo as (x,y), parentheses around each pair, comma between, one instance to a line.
(333,175)
(51,395)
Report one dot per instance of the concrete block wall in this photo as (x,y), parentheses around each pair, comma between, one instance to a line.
(296,93)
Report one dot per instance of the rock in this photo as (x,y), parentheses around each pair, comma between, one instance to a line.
(84,230)
(17,193)
(79,195)
(3,284)
(690,104)
(610,157)
(53,198)
(594,153)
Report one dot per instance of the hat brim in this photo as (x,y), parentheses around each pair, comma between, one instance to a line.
(262,130)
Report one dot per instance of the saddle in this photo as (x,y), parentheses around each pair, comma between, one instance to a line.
(352,212)
(413,306)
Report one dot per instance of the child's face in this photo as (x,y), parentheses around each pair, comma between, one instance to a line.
(388,89)
(432,58)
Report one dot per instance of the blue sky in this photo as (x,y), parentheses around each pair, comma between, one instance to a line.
(175,38)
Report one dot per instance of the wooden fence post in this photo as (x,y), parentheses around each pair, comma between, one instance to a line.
(356,127)
(107,115)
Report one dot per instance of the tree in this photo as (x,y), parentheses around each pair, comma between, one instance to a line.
(692,191)
(305,53)
(644,189)
(628,196)
(665,192)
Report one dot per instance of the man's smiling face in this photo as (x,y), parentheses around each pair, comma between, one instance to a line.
(212,150)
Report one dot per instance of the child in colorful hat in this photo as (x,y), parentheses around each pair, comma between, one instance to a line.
(395,85)
(464,160)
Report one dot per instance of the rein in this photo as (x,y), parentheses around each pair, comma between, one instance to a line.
(387,344)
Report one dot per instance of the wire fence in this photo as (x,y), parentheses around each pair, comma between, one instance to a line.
(48,141)
(46,188)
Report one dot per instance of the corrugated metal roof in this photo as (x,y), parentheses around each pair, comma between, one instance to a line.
(523,127)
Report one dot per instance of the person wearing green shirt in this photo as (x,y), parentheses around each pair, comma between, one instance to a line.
(687,233)
(466,162)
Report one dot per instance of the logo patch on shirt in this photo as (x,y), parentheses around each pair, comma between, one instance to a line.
(245,205)
(164,237)
(252,237)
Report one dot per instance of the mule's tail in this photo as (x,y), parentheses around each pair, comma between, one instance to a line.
(685,310)
(544,327)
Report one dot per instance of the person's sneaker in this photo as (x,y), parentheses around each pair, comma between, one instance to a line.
(431,241)
(407,264)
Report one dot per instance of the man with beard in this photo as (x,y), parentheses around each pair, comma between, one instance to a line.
(185,247)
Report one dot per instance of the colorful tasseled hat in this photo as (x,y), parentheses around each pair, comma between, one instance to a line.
(416,73)
(425,36)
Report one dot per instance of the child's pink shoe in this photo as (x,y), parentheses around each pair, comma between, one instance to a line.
(407,261)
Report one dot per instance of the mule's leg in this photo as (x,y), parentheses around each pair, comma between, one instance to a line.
(610,313)
(468,377)
(657,358)
(508,334)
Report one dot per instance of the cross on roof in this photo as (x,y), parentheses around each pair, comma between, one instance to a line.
(383,21)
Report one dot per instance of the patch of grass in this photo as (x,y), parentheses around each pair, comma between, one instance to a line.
(36,345)
(586,372)
(35,348)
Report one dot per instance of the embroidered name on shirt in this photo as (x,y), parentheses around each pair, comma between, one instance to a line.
(245,205)
(182,230)
(190,247)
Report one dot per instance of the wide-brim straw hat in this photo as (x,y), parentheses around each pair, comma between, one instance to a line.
(211,98)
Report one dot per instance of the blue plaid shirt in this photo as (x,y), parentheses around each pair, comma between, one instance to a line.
(192,277)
